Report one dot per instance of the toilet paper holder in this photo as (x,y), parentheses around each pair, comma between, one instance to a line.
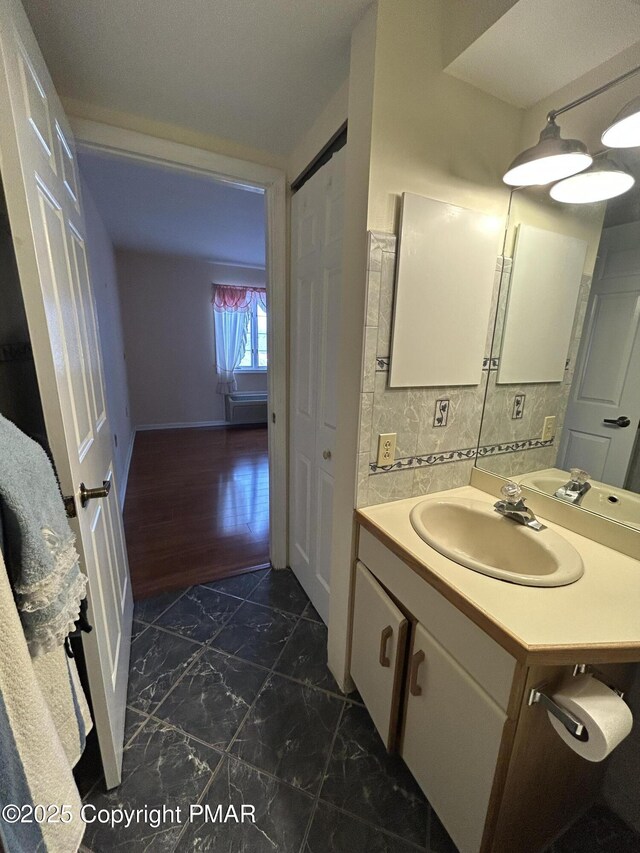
(537,697)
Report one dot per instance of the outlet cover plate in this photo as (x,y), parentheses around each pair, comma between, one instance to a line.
(549,428)
(387,448)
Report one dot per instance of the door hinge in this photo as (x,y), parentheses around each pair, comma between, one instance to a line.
(70,506)
(273,417)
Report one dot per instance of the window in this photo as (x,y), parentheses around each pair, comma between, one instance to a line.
(255,354)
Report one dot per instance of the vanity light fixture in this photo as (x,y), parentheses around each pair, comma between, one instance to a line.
(624,130)
(549,160)
(604,179)
(554,158)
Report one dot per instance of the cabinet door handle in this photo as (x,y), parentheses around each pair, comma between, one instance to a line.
(416,660)
(385,636)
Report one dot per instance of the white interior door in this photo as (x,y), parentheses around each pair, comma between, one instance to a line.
(41,187)
(316,281)
(604,407)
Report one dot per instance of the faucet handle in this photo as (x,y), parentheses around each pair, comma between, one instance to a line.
(579,476)
(512,492)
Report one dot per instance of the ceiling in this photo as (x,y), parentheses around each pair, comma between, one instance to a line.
(252,71)
(539,46)
(156,209)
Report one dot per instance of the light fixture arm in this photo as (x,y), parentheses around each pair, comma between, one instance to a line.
(551,116)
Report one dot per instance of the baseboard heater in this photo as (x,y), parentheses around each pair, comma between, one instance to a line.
(246,407)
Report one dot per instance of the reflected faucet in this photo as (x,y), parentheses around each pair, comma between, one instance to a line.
(576,488)
(514,507)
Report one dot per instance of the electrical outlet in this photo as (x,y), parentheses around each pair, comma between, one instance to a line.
(387,448)
(549,428)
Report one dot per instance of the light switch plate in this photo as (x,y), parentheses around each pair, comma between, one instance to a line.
(387,448)
(549,428)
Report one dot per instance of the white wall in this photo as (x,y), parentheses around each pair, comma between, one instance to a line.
(169,337)
(354,266)
(105,287)
(411,128)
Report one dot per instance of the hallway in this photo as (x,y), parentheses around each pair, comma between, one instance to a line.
(197,506)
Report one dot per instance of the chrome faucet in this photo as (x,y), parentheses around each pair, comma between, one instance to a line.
(514,507)
(576,488)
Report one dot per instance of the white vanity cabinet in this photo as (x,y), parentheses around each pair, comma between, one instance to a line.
(447,722)
(378,652)
(453,701)
(451,739)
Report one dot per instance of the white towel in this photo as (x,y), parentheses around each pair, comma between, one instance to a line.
(44,719)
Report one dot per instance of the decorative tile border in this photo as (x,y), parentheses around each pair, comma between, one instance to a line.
(512,447)
(461,455)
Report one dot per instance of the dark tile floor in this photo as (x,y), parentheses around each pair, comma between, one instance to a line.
(231,702)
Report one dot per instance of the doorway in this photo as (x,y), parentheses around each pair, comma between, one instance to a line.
(178,259)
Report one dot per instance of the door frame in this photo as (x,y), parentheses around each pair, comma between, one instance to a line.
(96,136)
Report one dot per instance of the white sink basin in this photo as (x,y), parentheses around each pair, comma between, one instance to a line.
(474,535)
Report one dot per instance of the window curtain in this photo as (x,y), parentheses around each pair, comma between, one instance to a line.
(231,312)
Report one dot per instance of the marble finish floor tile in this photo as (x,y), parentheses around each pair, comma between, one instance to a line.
(158,659)
(137,628)
(305,656)
(133,722)
(600,830)
(161,767)
(199,613)
(255,633)
(333,831)
(240,585)
(213,698)
(281,590)
(439,839)
(311,613)
(281,814)
(148,609)
(289,732)
(362,778)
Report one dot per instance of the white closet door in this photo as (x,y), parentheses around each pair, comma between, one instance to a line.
(41,187)
(316,281)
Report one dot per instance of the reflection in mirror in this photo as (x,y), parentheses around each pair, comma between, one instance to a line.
(562,408)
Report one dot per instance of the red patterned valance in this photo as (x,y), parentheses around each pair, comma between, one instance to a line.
(227,297)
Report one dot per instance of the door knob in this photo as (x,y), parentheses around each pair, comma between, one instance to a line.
(87,495)
(621,422)
(326,454)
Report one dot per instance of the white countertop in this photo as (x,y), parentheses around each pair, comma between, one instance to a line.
(601,609)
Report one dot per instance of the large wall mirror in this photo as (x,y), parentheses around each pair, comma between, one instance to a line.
(562,407)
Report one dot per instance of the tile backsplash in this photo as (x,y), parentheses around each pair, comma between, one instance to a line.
(541,399)
(437,428)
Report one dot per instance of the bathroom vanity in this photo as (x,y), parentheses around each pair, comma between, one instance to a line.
(445,659)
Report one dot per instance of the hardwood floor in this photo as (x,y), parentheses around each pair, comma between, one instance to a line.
(197,506)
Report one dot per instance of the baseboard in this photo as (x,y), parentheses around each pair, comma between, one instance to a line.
(190,425)
(125,472)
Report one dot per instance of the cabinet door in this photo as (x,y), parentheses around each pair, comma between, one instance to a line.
(378,652)
(451,739)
